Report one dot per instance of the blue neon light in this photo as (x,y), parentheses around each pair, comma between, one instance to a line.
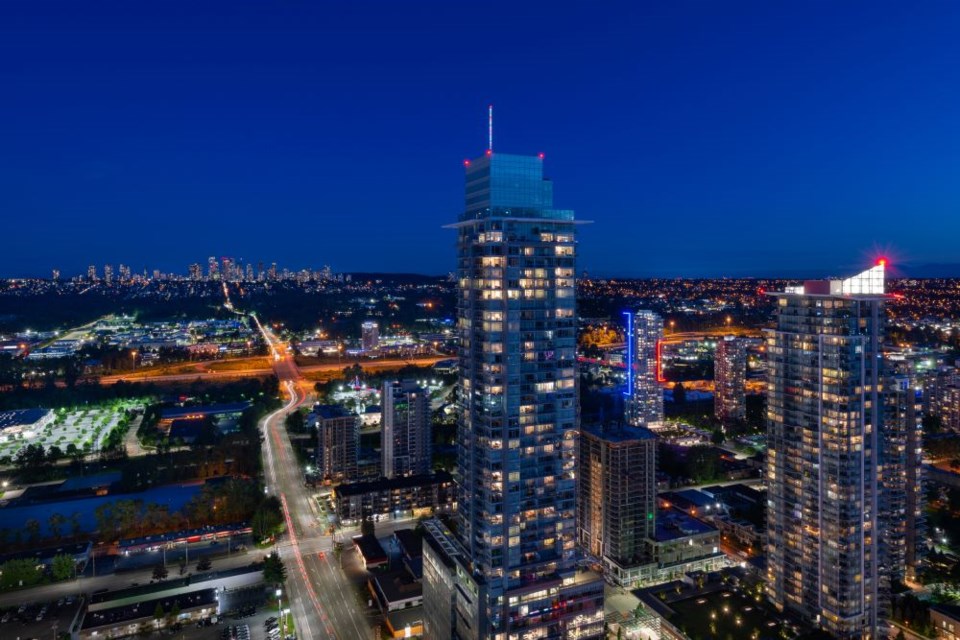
(629,391)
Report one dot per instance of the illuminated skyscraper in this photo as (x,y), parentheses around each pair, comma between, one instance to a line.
(644,396)
(824,460)
(92,273)
(107,274)
(213,271)
(405,444)
(730,379)
(518,421)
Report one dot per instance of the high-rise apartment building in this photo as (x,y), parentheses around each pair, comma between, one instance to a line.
(824,460)
(196,272)
(213,271)
(107,274)
(338,441)
(902,526)
(405,444)
(644,396)
(518,421)
(730,380)
(617,492)
(370,336)
(55,276)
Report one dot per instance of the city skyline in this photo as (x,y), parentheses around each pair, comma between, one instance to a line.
(711,128)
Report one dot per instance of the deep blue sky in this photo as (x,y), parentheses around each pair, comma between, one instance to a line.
(703,138)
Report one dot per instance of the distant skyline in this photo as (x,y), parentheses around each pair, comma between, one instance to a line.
(702,139)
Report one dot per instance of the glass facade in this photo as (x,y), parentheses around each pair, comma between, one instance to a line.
(826,492)
(519,412)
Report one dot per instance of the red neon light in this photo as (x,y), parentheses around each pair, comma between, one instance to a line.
(489,152)
(660,377)
(466,163)
(540,155)
(882,262)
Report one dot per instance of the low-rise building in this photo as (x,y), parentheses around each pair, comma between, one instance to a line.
(396,497)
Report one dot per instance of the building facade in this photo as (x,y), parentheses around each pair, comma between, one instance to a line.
(617,493)
(730,380)
(825,415)
(518,413)
(338,441)
(405,429)
(644,397)
(369,336)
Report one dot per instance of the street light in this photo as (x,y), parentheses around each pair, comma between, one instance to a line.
(280,609)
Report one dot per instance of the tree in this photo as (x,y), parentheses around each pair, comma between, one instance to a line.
(33,529)
(204,564)
(54,454)
(75,527)
(30,459)
(19,572)
(679,393)
(273,570)
(63,566)
(158,614)
(175,611)
(159,572)
(266,518)
(56,522)
(901,635)
(366,527)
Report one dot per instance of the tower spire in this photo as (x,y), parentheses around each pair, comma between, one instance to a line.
(490,128)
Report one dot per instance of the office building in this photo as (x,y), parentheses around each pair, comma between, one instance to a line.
(825,420)
(644,396)
(213,271)
(107,274)
(518,416)
(730,380)
(338,441)
(369,336)
(91,273)
(617,493)
(405,442)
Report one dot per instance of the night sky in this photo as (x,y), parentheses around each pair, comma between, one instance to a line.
(702,138)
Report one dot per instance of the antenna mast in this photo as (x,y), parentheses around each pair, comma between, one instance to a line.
(490,128)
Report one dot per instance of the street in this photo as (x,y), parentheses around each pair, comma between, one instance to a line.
(324,603)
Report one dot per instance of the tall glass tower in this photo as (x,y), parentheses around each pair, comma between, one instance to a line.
(829,498)
(519,412)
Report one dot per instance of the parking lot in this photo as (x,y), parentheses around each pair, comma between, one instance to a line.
(40,619)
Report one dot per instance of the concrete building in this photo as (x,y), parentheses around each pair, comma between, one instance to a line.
(730,380)
(824,459)
(406,496)
(644,396)
(405,445)
(617,492)
(338,442)
(518,422)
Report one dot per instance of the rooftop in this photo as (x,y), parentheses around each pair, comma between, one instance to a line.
(21,417)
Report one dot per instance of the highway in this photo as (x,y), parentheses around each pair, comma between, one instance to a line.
(324,603)
(318,370)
